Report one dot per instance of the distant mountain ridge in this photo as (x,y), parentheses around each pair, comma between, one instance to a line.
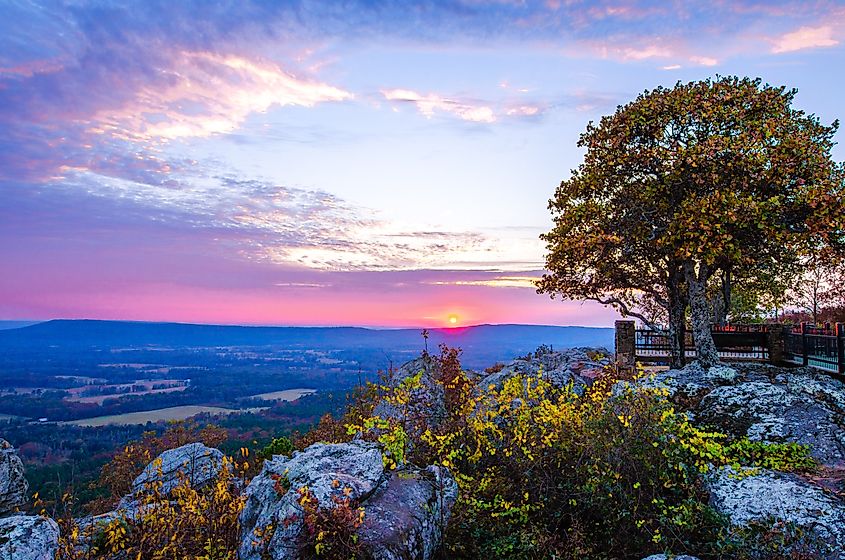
(112,334)
(16,324)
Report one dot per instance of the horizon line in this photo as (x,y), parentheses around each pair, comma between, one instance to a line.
(322,326)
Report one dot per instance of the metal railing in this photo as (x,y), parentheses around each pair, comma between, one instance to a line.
(734,342)
(819,347)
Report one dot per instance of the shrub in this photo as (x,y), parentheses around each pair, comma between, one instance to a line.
(118,474)
(771,539)
(546,472)
(785,457)
(187,523)
(278,446)
(329,533)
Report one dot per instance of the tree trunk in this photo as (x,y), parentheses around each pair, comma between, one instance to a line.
(717,308)
(677,318)
(727,285)
(705,348)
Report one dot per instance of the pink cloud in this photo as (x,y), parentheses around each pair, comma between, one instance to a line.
(207,93)
(465,109)
(431,103)
(805,38)
(642,53)
(523,111)
(704,60)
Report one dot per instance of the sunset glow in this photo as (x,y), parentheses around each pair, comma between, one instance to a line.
(330,163)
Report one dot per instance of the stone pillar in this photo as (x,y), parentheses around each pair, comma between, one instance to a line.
(626,338)
(776,341)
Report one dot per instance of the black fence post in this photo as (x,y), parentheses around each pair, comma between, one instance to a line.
(840,347)
(805,350)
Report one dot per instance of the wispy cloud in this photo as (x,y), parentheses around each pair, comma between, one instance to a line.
(495,282)
(85,86)
(265,222)
(464,108)
(204,93)
(431,103)
(704,60)
(642,53)
(805,38)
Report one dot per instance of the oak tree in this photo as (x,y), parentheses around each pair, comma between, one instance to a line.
(685,182)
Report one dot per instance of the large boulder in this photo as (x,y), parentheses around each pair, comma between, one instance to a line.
(763,402)
(13,484)
(575,366)
(426,407)
(406,516)
(28,537)
(779,405)
(194,462)
(690,382)
(763,496)
(775,413)
(328,470)
(404,511)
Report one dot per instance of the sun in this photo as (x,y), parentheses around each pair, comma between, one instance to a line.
(453,319)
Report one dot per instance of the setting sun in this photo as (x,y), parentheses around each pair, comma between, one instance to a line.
(453,319)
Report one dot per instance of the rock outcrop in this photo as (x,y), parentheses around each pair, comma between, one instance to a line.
(758,495)
(406,515)
(28,537)
(578,366)
(405,511)
(195,462)
(22,537)
(13,484)
(427,405)
(775,405)
(765,403)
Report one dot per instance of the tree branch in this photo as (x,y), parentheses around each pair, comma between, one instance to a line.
(626,311)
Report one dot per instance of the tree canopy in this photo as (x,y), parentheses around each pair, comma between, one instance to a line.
(721,174)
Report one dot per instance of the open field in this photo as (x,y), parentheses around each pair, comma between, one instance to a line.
(116,391)
(172,413)
(286,395)
(99,399)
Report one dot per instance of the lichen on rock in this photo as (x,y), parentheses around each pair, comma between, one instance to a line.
(13,484)
(28,537)
(405,510)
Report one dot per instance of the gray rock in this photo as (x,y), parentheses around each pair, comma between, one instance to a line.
(272,496)
(13,484)
(406,516)
(28,537)
(405,510)
(763,402)
(791,407)
(576,366)
(197,463)
(761,495)
(692,380)
(427,403)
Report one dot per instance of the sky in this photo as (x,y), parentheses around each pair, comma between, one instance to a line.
(376,163)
